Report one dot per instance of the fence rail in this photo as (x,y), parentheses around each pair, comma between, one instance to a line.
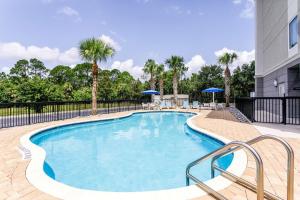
(285,110)
(19,114)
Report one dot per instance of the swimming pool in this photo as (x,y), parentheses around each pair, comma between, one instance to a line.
(142,152)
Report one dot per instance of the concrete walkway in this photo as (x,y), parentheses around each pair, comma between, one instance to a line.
(287,131)
(14,185)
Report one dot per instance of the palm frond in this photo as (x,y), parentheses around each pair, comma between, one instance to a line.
(176,65)
(94,50)
(150,67)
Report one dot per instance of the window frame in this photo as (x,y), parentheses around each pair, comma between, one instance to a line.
(294,20)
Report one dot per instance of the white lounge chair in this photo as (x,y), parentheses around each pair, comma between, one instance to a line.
(163,105)
(220,106)
(157,104)
(169,105)
(152,106)
(206,106)
(145,106)
(185,105)
(195,105)
(213,106)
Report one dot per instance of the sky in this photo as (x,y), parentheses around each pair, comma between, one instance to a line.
(198,30)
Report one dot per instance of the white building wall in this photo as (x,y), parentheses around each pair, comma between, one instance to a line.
(273,55)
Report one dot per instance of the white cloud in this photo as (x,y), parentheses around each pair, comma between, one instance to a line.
(178,10)
(248,11)
(244,57)
(236,1)
(70,56)
(128,65)
(194,65)
(5,69)
(143,1)
(248,8)
(15,50)
(200,13)
(70,12)
(103,22)
(47,1)
(108,40)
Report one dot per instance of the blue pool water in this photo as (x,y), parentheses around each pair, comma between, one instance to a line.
(146,151)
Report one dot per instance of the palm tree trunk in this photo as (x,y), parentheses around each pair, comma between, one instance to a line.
(152,86)
(175,88)
(94,88)
(227,85)
(161,88)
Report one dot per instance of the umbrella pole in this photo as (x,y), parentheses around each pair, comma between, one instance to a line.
(213,97)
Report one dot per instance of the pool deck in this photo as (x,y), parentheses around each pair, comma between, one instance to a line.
(14,185)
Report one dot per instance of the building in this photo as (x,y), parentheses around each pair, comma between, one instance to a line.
(170,97)
(277,70)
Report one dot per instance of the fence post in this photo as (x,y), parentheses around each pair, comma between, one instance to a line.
(28,110)
(108,107)
(284,110)
(253,110)
(57,112)
(79,105)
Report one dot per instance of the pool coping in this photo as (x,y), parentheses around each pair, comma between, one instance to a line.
(38,178)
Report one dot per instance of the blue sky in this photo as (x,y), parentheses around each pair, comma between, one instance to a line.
(199,30)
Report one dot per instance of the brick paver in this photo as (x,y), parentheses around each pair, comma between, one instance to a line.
(14,185)
(273,155)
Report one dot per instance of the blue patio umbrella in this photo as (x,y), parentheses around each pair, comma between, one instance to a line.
(213,90)
(150,92)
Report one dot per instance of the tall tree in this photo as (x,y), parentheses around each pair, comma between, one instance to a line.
(83,75)
(20,69)
(37,68)
(243,81)
(227,59)
(95,50)
(61,74)
(106,89)
(150,68)
(160,74)
(178,68)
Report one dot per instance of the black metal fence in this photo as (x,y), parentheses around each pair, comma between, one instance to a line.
(19,114)
(285,110)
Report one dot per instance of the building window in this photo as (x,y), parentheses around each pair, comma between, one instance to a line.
(293,32)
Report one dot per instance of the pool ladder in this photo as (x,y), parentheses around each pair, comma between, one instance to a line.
(259,187)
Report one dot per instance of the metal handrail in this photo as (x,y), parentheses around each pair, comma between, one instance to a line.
(227,148)
(290,165)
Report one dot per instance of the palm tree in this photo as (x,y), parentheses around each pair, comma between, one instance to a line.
(94,50)
(150,68)
(227,59)
(161,74)
(176,65)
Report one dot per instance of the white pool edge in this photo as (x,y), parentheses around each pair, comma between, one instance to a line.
(39,179)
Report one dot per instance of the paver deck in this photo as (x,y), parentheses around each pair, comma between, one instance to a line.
(14,185)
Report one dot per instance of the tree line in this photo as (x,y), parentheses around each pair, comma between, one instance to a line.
(31,81)
(240,84)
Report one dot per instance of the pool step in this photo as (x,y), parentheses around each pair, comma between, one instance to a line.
(26,154)
(239,115)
